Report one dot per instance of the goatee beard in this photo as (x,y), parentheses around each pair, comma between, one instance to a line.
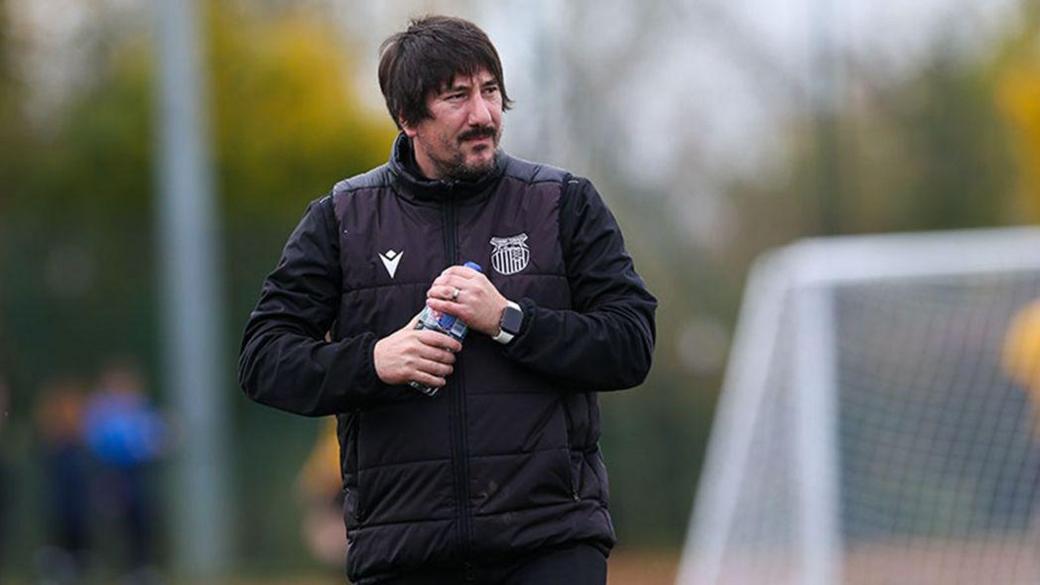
(459,171)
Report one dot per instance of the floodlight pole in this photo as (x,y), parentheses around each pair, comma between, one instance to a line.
(192,316)
(825,83)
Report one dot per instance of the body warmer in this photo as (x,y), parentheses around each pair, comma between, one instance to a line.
(504,459)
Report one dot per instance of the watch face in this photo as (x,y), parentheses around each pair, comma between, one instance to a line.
(511,319)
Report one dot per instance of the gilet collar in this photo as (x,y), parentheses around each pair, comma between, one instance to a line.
(411,182)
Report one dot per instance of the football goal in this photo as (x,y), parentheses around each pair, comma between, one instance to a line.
(878,422)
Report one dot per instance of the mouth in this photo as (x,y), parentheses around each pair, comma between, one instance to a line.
(478,135)
(479,141)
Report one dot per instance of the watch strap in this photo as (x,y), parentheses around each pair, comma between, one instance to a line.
(504,336)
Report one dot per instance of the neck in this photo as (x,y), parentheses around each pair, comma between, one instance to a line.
(425,164)
(434,172)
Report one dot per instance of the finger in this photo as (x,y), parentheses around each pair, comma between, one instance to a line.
(434,368)
(429,379)
(450,280)
(460,271)
(438,351)
(412,323)
(442,292)
(454,309)
(436,339)
(437,354)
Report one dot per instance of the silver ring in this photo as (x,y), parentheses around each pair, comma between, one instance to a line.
(455,294)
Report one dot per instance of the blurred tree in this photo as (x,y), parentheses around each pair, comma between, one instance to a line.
(1019,98)
(921,152)
(9,122)
(286,127)
(11,136)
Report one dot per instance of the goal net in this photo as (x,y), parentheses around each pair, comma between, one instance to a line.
(879,419)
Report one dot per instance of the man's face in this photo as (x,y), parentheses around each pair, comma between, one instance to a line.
(459,139)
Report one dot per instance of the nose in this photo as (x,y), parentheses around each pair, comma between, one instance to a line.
(480,113)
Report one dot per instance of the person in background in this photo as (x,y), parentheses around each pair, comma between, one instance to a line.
(1021,361)
(1021,356)
(320,490)
(126,435)
(5,482)
(66,472)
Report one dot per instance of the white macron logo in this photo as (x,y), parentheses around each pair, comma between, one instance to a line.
(390,260)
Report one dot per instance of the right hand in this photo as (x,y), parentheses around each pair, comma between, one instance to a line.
(415,355)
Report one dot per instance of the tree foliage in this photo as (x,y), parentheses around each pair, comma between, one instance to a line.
(285,126)
(1018,95)
(923,152)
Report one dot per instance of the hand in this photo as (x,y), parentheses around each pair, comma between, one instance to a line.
(467,294)
(415,355)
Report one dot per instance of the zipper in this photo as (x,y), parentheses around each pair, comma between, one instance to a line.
(449,225)
(457,394)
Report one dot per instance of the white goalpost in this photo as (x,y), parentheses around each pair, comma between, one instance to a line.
(876,423)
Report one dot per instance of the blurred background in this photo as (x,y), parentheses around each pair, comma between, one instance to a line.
(715,130)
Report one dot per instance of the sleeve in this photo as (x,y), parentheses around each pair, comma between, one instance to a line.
(606,341)
(285,360)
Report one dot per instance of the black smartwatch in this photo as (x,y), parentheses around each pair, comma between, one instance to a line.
(509,323)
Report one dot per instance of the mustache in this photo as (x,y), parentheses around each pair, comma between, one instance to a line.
(479,132)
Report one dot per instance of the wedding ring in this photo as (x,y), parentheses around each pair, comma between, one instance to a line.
(455,294)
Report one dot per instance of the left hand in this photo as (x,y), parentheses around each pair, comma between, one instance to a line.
(477,302)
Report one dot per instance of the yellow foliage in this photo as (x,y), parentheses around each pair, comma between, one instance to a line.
(1018,96)
(286,120)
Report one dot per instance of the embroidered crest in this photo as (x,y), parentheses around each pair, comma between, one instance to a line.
(510,255)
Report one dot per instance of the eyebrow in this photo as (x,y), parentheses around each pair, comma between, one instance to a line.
(454,87)
(457,86)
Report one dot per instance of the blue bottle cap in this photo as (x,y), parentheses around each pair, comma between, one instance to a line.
(474,266)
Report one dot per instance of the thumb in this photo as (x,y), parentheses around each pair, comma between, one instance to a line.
(413,322)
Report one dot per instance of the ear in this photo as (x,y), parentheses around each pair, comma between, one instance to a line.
(407,128)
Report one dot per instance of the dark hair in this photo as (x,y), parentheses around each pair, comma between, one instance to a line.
(425,59)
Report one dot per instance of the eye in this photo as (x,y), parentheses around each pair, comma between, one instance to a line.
(491,90)
(454,97)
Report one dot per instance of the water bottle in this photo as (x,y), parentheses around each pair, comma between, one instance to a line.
(444,323)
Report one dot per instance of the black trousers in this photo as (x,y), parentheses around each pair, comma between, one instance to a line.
(580,564)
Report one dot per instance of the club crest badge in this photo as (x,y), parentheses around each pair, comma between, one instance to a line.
(510,255)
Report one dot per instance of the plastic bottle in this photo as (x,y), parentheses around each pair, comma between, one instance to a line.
(443,323)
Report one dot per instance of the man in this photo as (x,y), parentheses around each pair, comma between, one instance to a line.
(496,478)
